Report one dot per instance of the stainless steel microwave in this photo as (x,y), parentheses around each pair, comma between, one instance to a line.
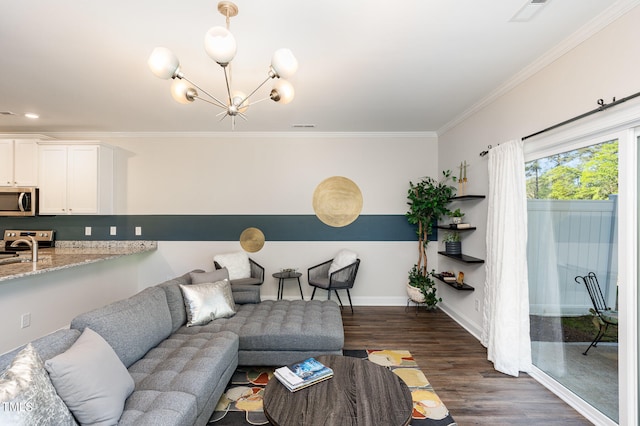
(18,201)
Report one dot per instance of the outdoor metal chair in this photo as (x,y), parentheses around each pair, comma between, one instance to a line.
(342,279)
(603,316)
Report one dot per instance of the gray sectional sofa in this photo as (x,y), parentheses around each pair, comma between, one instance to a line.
(180,372)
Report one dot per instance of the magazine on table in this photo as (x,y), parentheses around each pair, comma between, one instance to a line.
(302,374)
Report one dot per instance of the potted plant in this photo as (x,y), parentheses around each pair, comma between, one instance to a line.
(452,243)
(428,203)
(456,216)
(422,288)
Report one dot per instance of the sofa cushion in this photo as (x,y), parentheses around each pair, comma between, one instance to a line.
(237,263)
(91,380)
(27,396)
(174,299)
(282,325)
(207,301)
(188,366)
(131,326)
(158,408)
(246,281)
(209,277)
(46,346)
(245,294)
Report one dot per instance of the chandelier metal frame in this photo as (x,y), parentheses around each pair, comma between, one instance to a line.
(220,45)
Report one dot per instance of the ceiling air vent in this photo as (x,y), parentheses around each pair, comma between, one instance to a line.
(530,9)
(7,113)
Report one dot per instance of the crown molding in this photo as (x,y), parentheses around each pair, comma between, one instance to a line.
(240,135)
(598,23)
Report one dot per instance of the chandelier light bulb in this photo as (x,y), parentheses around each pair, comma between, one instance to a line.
(282,92)
(237,98)
(182,91)
(220,45)
(283,63)
(164,63)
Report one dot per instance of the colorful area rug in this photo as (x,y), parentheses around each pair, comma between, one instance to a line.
(241,404)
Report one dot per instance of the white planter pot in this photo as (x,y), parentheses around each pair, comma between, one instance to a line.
(415,294)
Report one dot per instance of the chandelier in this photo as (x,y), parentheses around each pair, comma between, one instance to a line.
(220,45)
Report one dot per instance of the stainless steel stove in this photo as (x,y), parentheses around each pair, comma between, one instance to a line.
(45,238)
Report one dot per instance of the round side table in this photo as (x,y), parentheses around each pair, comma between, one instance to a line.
(282,276)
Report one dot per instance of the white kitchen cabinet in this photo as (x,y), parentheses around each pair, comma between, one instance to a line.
(18,162)
(76,178)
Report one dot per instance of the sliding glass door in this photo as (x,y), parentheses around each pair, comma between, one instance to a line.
(572,232)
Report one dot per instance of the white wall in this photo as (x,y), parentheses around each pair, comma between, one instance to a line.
(264,173)
(54,298)
(605,66)
(274,174)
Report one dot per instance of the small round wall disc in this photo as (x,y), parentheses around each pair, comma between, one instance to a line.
(252,240)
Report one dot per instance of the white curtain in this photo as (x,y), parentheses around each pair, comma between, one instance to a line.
(505,331)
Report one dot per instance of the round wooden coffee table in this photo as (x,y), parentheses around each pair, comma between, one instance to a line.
(359,393)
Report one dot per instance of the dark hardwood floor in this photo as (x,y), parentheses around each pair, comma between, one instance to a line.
(456,365)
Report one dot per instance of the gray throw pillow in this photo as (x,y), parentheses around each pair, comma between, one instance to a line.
(209,277)
(207,301)
(27,396)
(91,380)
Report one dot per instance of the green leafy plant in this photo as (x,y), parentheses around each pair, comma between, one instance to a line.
(425,284)
(456,213)
(451,237)
(428,203)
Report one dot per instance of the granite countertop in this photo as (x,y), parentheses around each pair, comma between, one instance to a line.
(68,254)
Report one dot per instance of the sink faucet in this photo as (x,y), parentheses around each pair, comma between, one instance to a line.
(33,245)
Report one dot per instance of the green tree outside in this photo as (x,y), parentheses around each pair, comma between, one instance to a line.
(589,173)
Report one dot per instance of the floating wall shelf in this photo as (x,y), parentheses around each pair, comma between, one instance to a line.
(461,257)
(468,197)
(463,287)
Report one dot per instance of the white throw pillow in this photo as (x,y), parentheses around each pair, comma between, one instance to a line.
(27,396)
(91,380)
(237,264)
(208,301)
(342,259)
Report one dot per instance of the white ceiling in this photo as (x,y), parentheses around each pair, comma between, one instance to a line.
(365,65)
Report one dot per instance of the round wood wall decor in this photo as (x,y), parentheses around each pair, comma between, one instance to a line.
(252,240)
(337,201)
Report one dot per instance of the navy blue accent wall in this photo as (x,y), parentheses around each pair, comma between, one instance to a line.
(219,227)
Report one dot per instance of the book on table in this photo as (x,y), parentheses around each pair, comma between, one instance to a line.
(302,374)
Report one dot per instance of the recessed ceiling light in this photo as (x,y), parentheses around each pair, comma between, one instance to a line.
(31,115)
(303,126)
